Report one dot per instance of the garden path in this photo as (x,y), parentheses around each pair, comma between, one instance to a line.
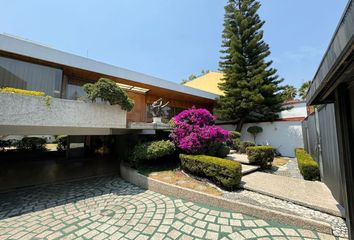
(311,194)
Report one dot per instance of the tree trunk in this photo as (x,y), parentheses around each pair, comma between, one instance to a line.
(239,125)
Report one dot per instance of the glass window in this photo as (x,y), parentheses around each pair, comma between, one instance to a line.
(29,76)
(171,113)
(74,89)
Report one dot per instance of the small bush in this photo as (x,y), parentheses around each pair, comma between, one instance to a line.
(308,167)
(261,155)
(152,151)
(4,144)
(235,135)
(236,144)
(31,144)
(254,130)
(109,91)
(62,141)
(223,172)
(244,145)
(223,151)
(21,91)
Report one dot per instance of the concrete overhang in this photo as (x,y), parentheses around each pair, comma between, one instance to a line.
(21,47)
(334,65)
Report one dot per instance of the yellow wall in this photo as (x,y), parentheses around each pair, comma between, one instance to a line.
(208,82)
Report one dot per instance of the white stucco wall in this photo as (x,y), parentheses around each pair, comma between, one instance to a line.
(22,110)
(282,135)
(297,110)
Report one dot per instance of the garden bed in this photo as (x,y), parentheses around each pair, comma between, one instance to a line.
(170,173)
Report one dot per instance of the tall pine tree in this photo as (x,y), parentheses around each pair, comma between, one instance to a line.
(251,86)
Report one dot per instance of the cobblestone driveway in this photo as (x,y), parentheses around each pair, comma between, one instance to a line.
(110,208)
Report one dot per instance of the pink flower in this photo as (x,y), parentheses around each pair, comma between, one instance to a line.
(195,131)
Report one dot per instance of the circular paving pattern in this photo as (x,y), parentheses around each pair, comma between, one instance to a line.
(110,208)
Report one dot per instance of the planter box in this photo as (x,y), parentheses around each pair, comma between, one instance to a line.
(18,110)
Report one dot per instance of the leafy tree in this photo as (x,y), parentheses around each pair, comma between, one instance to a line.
(205,71)
(250,84)
(289,92)
(190,78)
(304,88)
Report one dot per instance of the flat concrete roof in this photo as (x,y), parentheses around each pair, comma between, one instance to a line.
(339,48)
(33,50)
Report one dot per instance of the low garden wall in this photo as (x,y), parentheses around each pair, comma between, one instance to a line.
(34,111)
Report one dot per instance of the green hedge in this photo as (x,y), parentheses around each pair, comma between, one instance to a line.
(152,151)
(244,145)
(308,167)
(225,173)
(261,155)
(235,135)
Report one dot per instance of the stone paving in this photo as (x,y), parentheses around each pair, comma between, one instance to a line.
(290,169)
(110,208)
(338,224)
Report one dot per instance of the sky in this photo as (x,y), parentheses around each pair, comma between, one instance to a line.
(172,39)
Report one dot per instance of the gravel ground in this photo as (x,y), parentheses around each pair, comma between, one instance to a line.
(338,224)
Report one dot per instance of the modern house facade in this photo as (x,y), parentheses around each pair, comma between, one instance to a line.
(31,66)
(97,135)
(332,91)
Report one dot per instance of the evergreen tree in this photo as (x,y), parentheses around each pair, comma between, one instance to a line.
(304,88)
(289,92)
(251,86)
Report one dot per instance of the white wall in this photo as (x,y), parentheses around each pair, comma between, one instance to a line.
(298,110)
(282,135)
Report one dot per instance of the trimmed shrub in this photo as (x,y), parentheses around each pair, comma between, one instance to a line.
(244,145)
(308,167)
(152,151)
(31,144)
(235,135)
(225,173)
(236,144)
(254,130)
(22,91)
(261,155)
(223,151)
(108,91)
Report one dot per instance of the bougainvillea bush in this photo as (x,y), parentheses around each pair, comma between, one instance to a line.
(194,132)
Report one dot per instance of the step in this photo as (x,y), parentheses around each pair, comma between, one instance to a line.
(247,169)
(241,158)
